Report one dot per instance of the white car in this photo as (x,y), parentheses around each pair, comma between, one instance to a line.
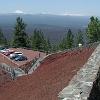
(4,50)
(19,53)
(15,54)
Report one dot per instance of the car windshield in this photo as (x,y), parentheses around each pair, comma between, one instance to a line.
(2,48)
(18,53)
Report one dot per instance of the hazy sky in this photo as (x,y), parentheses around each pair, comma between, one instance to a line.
(71,7)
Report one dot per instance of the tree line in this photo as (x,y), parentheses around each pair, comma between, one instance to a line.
(39,42)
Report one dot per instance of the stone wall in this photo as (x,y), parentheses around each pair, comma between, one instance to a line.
(95,92)
(6,60)
(81,84)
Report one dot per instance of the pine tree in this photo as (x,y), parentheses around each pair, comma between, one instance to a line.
(79,38)
(38,41)
(47,46)
(93,30)
(69,39)
(67,42)
(55,48)
(3,40)
(20,36)
(62,45)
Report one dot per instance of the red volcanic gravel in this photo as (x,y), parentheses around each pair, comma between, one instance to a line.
(4,77)
(49,79)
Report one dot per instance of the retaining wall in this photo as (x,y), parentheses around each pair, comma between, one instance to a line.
(81,84)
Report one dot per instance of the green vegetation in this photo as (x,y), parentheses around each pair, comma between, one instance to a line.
(67,41)
(79,38)
(3,40)
(39,42)
(93,30)
(20,36)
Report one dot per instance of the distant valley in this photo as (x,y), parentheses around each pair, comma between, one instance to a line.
(54,27)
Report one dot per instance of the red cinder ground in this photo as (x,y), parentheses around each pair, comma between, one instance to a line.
(4,77)
(49,79)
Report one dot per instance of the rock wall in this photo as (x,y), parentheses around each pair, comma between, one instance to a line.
(81,84)
(95,92)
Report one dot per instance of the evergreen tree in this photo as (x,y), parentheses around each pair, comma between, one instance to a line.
(62,45)
(67,42)
(69,39)
(39,42)
(3,40)
(93,30)
(55,48)
(48,46)
(20,36)
(79,38)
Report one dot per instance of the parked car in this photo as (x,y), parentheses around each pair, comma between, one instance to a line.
(2,48)
(15,54)
(21,58)
(19,53)
(7,53)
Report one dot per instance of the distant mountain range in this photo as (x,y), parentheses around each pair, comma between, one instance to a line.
(53,26)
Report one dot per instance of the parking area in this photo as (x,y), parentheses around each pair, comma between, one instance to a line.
(30,57)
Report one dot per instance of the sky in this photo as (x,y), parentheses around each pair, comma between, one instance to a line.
(57,7)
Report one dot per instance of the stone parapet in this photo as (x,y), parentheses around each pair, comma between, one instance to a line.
(81,84)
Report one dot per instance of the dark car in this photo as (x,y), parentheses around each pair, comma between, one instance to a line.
(21,58)
(2,48)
